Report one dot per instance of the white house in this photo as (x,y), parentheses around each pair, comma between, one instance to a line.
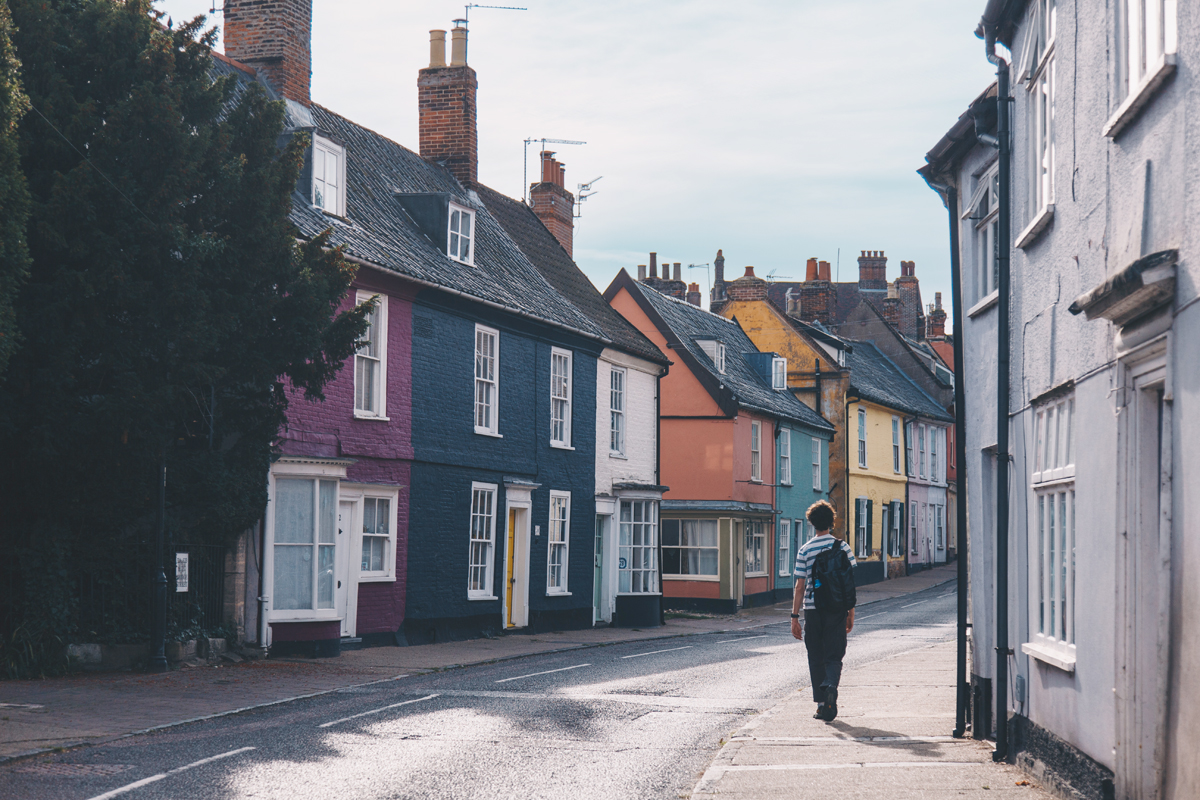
(1097,692)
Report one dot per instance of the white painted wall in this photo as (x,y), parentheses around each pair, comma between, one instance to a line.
(1107,214)
(637,465)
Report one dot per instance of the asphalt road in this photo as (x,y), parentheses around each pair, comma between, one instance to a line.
(634,720)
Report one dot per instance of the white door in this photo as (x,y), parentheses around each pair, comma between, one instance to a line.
(345,538)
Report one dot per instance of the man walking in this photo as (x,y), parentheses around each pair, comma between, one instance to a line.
(826,628)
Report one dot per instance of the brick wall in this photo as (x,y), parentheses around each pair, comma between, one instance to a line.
(274,37)
(446,103)
(817,299)
(747,287)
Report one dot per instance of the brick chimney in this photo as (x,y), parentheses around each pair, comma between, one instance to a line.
(447,108)
(936,320)
(908,289)
(275,38)
(872,271)
(693,295)
(552,203)
(674,288)
(823,273)
(748,287)
(891,308)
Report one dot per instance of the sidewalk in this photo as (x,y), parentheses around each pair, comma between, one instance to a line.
(90,708)
(891,739)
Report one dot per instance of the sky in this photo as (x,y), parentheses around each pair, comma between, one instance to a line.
(775,130)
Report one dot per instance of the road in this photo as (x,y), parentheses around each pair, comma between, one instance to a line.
(634,720)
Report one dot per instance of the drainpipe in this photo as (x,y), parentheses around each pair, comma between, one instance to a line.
(849,399)
(950,195)
(1002,410)
(662,598)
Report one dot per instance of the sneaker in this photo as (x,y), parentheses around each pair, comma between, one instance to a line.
(831,695)
(830,713)
(822,713)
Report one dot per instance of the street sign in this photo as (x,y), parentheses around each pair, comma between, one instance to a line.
(181,572)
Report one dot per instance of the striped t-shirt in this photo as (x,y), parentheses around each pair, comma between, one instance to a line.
(805,557)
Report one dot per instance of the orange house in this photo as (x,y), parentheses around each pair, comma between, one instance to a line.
(724,410)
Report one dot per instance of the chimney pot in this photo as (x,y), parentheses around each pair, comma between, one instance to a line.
(749,272)
(437,49)
(823,273)
(641,272)
(812,273)
(937,299)
(654,265)
(678,275)
(693,294)
(458,46)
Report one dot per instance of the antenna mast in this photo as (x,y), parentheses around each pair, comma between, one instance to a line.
(525,163)
(467,17)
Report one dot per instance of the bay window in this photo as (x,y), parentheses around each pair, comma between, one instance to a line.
(637,565)
(304,544)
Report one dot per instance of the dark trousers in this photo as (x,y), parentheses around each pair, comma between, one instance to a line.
(825,636)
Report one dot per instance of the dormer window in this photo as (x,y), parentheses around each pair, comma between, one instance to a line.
(779,374)
(329,176)
(715,351)
(462,227)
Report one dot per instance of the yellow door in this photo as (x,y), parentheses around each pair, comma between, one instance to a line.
(509,573)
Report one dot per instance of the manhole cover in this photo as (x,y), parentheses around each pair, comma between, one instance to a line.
(74,770)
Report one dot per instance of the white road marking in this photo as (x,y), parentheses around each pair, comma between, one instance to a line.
(375,711)
(741,639)
(544,672)
(30,706)
(838,740)
(654,652)
(129,787)
(910,605)
(868,616)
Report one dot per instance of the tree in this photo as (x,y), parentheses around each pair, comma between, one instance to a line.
(14,198)
(168,308)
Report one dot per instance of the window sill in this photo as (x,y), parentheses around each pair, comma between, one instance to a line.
(640,594)
(691,577)
(784,575)
(621,456)
(984,304)
(484,432)
(558,594)
(376,578)
(361,415)
(756,480)
(561,446)
(1127,112)
(481,597)
(758,574)
(1063,659)
(1034,228)
(786,483)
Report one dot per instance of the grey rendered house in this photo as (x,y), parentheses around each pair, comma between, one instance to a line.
(1103,390)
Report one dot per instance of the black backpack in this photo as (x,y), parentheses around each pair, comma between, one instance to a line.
(833,580)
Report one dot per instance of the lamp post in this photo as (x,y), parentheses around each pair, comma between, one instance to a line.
(158,622)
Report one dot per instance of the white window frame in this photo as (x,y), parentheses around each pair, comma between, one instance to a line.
(330,202)
(984,210)
(896,532)
(456,240)
(1040,117)
(558,543)
(490,383)
(817,483)
(756,548)
(482,563)
(1052,532)
(561,391)
(914,528)
(785,457)
(939,526)
(861,531)
(910,449)
(934,434)
(357,542)
(921,433)
(783,544)
(616,411)
(715,350)
(377,335)
(1147,43)
(756,451)
(1054,440)
(862,438)
(778,374)
(683,548)
(315,610)
(896,445)
(640,571)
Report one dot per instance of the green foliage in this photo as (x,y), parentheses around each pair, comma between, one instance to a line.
(14,197)
(168,304)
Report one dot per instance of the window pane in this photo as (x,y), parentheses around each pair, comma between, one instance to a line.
(465,226)
(294,511)
(293,577)
(328,518)
(454,223)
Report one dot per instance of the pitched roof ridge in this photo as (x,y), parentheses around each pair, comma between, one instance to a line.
(685,303)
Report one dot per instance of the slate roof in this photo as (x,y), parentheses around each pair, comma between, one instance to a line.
(875,377)
(379,231)
(552,261)
(690,324)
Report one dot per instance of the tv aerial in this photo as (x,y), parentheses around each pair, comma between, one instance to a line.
(585,191)
(466,17)
(525,163)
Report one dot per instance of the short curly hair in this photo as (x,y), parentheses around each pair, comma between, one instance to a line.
(821,515)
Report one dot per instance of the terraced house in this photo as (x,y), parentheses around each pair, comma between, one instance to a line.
(446,488)
(735,452)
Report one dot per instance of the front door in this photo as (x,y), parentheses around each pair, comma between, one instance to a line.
(510,574)
(345,535)
(598,573)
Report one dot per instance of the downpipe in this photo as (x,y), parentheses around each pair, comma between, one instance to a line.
(1004,235)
